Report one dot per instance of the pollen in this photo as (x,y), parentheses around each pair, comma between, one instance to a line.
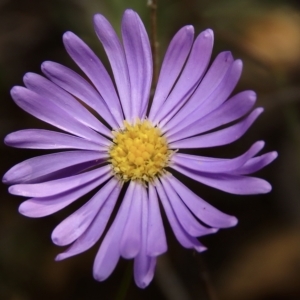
(139,152)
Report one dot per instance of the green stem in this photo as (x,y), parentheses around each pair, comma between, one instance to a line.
(125,283)
(154,43)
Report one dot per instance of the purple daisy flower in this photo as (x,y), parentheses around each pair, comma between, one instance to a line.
(136,146)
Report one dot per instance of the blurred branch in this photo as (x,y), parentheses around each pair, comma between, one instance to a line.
(204,275)
(154,43)
(168,280)
(281,97)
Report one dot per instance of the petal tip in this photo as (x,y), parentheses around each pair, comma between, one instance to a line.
(208,33)
(27,76)
(259,110)
(189,29)
(14,92)
(252,96)
(239,64)
(68,35)
(98,277)
(8,140)
(56,239)
(12,190)
(45,65)
(5,178)
(200,248)
(233,221)
(60,257)
(260,144)
(274,154)
(129,11)
(22,210)
(142,284)
(225,56)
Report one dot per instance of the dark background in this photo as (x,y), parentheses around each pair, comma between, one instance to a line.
(259,259)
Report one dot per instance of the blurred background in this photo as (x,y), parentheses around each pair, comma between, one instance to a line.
(259,259)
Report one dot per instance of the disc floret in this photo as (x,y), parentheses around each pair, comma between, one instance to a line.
(139,152)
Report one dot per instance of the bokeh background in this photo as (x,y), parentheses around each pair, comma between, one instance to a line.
(257,260)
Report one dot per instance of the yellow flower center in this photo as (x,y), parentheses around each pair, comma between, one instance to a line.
(139,152)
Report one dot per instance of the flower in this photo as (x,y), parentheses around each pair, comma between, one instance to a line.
(136,146)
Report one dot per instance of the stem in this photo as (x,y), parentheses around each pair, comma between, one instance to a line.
(125,283)
(204,275)
(154,43)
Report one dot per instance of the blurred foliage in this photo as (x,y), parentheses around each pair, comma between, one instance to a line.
(257,260)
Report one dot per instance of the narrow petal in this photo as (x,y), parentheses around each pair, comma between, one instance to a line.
(49,112)
(184,216)
(58,186)
(130,243)
(195,163)
(77,223)
(117,59)
(217,97)
(46,139)
(97,227)
(144,265)
(109,252)
(214,76)
(172,65)
(53,93)
(190,77)
(234,184)
(233,109)
(256,163)
(41,207)
(183,238)
(139,59)
(37,167)
(156,237)
(76,85)
(221,137)
(200,208)
(91,65)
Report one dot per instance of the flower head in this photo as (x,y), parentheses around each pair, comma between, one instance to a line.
(136,146)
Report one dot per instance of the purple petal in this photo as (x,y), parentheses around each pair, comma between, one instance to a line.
(233,109)
(182,236)
(256,163)
(109,252)
(234,184)
(116,56)
(189,78)
(214,76)
(200,208)
(172,65)
(91,65)
(217,97)
(41,207)
(34,168)
(49,112)
(97,227)
(77,223)
(46,139)
(144,265)
(130,243)
(156,237)
(220,137)
(58,186)
(184,216)
(54,94)
(196,163)
(79,87)
(139,59)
